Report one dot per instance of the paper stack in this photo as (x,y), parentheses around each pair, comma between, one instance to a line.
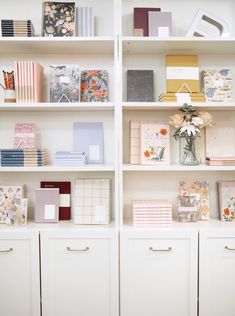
(220,161)
(182,80)
(16,28)
(28,81)
(23,157)
(70,159)
(152,213)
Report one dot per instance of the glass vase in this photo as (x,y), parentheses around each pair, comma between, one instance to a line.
(190,150)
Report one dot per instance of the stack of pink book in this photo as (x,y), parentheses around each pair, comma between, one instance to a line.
(28,82)
(155,213)
(220,161)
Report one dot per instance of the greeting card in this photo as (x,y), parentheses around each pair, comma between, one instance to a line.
(199,189)
(154,144)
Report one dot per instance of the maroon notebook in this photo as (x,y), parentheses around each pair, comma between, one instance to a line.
(65,197)
(141,19)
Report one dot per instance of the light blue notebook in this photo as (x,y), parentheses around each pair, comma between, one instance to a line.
(88,138)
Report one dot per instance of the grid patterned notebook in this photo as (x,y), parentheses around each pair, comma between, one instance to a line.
(92,201)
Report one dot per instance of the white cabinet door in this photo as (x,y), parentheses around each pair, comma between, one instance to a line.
(158,274)
(217,273)
(79,273)
(19,274)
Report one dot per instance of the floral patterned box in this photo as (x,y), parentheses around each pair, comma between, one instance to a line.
(218,85)
(9,198)
(154,144)
(227,200)
(200,189)
(58,19)
(94,86)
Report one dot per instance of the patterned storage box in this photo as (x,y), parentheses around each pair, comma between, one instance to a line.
(92,201)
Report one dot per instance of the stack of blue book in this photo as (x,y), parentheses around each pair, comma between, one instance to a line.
(70,159)
(22,157)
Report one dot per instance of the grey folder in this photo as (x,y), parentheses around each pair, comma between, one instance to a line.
(88,138)
(159,19)
(140,86)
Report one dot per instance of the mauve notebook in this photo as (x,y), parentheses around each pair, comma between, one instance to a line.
(141,19)
(160,24)
(47,205)
(65,197)
(88,138)
(140,86)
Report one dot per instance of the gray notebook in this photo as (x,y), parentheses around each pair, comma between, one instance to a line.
(160,24)
(140,86)
(88,138)
(47,205)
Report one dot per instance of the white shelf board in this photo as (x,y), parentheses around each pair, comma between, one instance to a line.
(176,167)
(49,168)
(201,225)
(89,106)
(57,45)
(168,106)
(179,45)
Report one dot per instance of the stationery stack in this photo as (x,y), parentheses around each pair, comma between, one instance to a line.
(28,82)
(152,22)
(152,213)
(70,159)
(92,201)
(218,85)
(220,161)
(17,28)
(182,80)
(226,200)
(23,157)
(149,143)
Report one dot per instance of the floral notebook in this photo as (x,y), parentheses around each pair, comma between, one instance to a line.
(154,144)
(94,86)
(199,189)
(58,19)
(64,83)
(25,136)
(9,197)
(227,200)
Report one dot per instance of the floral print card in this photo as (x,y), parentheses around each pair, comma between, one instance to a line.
(9,197)
(154,144)
(58,19)
(199,189)
(94,86)
(227,200)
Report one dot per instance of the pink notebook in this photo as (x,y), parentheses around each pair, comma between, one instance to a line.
(25,136)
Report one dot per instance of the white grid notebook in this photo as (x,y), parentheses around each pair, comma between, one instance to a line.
(92,201)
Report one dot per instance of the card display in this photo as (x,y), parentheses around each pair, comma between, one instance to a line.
(25,136)
(47,205)
(92,201)
(94,86)
(58,19)
(141,20)
(199,189)
(65,83)
(140,86)
(88,138)
(154,143)
(226,200)
(218,85)
(65,197)
(9,198)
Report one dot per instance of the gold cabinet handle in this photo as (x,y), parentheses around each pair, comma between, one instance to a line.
(228,248)
(6,251)
(78,250)
(161,250)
